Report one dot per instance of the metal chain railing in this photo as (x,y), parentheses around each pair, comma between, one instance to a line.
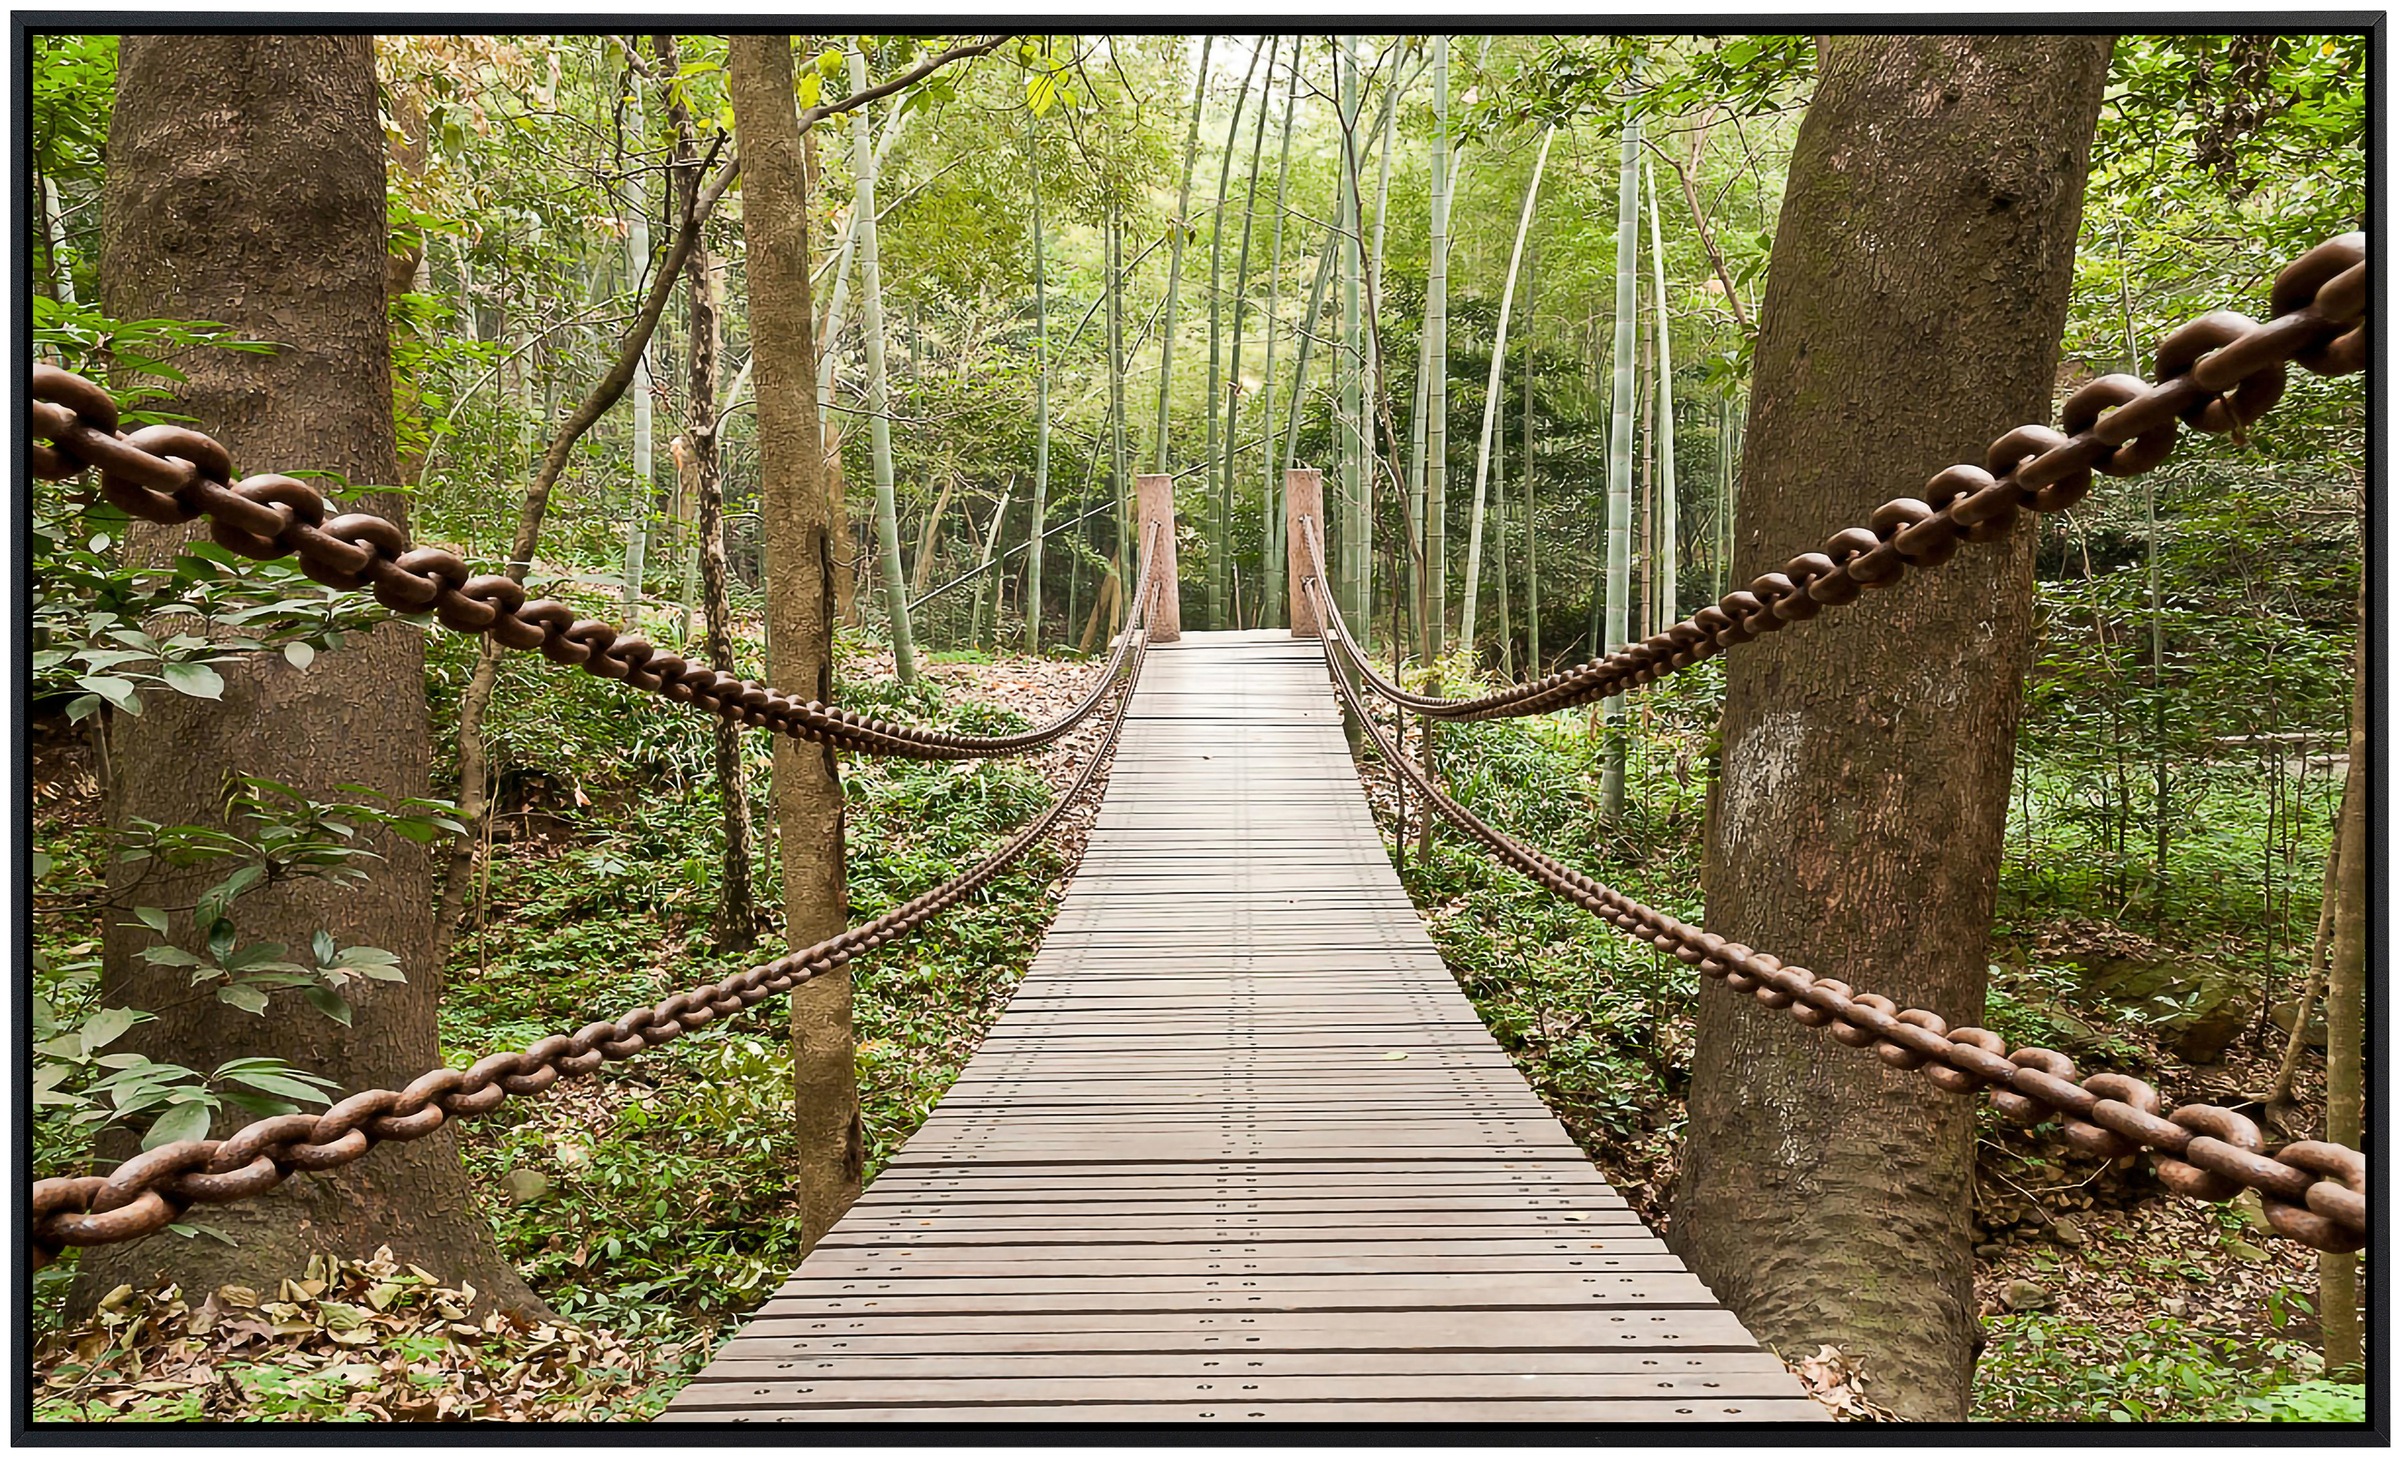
(2314,1192)
(2217,373)
(148,1192)
(168,474)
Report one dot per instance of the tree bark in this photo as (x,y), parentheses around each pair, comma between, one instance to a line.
(246,184)
(800,548)
(1181,221)
(1666,549)
(879,429)
(1615,627)
(1220,516)
(1533,560)
(1271,557)
(1919,284)
(1437,362)
(737,905)
(1041,400)
(2345,1016)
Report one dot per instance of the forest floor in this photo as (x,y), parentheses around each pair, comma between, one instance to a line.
(649,1204)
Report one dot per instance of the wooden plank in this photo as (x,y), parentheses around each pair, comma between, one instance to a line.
(1239,1152)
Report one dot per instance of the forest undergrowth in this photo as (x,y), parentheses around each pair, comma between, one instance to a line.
(2102,1296)
(650,1207)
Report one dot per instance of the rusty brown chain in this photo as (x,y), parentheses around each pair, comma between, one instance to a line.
(148,1192)
(168,474)
(2217,373)
(2314,1192)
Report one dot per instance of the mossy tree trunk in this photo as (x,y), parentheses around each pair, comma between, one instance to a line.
(1919,283)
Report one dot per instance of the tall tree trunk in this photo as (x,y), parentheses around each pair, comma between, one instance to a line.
(284,242)
(1041,405)
(2279,1094)
(2345,1013)
(1175,239)
(1825,1197)
(879,427)
(1241,309)
(1615,626)
(1373,403)
(1418,560)
(800,547)
(1666,545)
(1508,632)
(1645,615)
(1220,517)
(737,903)
(1491,396)
(929,540)
(1271,600)
(1351,563)
(1437,362)
(1533,561)
(990,580)
(1119,484)
(645,487)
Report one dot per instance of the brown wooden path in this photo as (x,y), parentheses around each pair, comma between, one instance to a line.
(1239,1152)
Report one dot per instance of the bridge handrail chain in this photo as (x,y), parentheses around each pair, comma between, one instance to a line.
(2312,1191)
(150,1191)
(2218,373)
(169,474)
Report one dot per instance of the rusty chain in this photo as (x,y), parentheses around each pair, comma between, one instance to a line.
(168,474)
(148,1192)
(2217,373)
(2314,1192)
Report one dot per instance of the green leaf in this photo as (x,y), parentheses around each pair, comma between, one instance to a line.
(214,901)
(179,1123)
(108,1024)
(299,654)
(322,944)
(287,1083)
(170,956)
(371,961)
(118,691)
(329,1001)
(152,917)
(248,998)
(196,680)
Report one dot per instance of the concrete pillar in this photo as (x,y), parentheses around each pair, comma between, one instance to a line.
(1154,500)
(1303,496)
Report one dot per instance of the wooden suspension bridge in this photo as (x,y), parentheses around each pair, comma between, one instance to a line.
(1239,1152)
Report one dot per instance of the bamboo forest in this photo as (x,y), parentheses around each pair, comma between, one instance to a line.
(1207,729)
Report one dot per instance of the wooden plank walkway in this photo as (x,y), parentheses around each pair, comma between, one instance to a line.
(1239,1152)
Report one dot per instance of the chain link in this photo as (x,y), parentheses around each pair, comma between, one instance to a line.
(2217,373)
(153,1189)
(2313,1192)
(168,474)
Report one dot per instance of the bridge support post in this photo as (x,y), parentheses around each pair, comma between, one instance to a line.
(1303,497)
(1154,500)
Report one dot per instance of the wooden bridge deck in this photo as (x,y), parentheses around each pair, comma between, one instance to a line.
(1239,1152)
